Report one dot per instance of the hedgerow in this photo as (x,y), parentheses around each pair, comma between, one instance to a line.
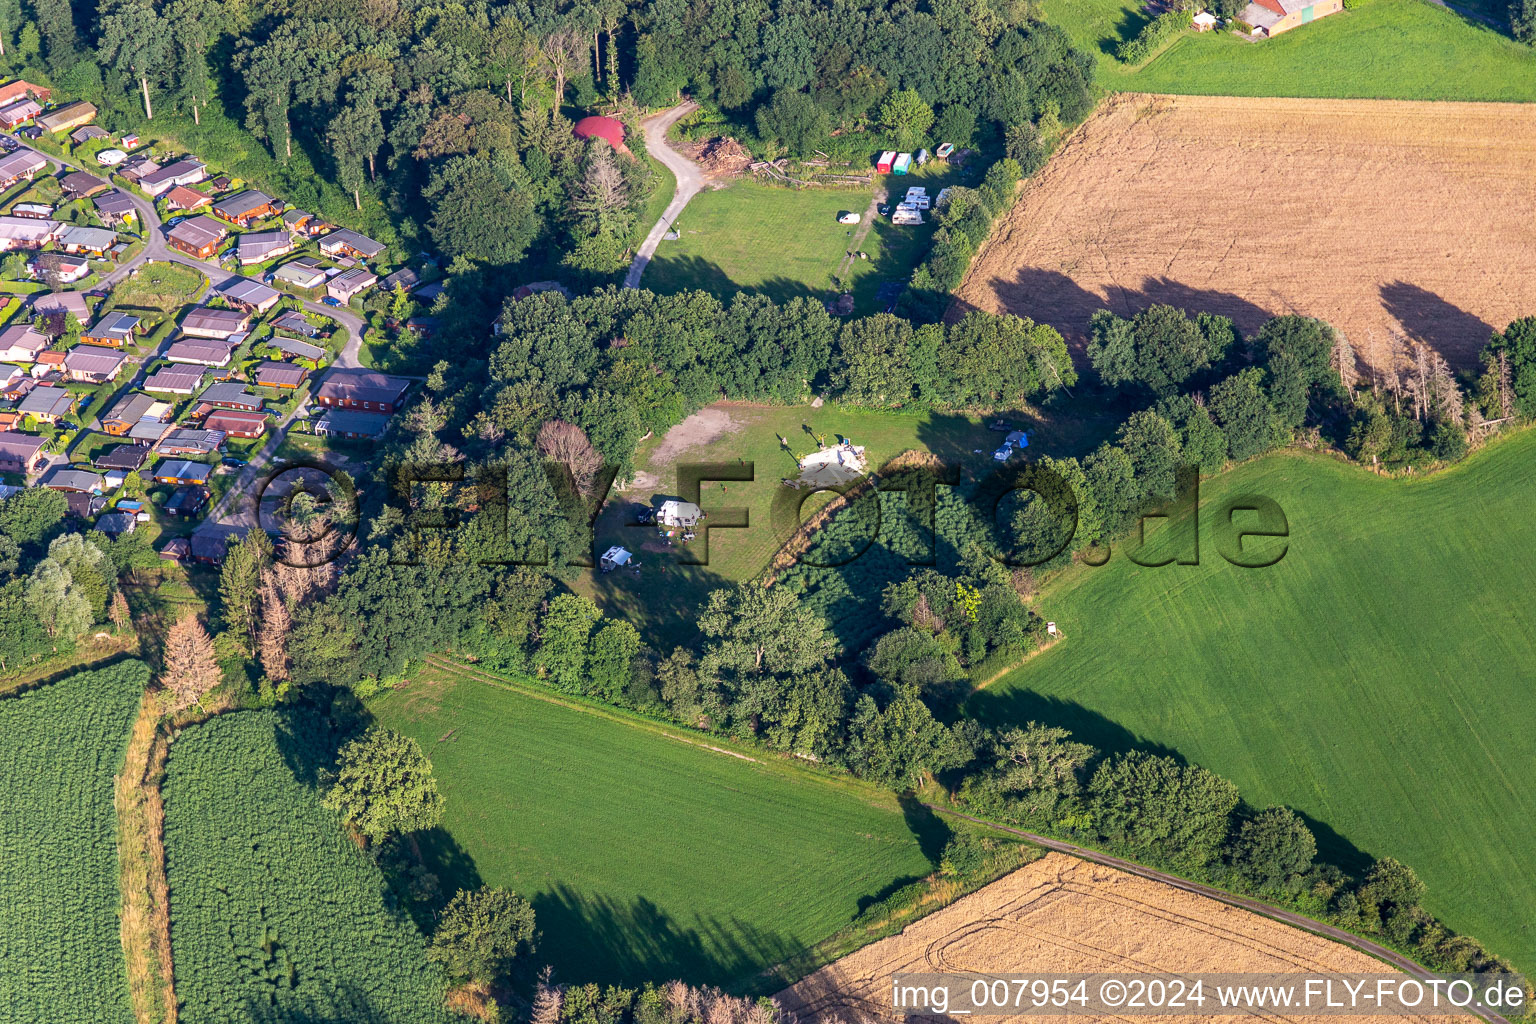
(60,746)
(275,912)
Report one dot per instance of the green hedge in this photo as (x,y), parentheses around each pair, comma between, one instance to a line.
(1156,34)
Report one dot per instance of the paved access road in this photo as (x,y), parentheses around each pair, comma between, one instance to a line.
(690,180)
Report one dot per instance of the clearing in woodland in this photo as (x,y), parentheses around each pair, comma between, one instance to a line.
(1061,915)
(1393,221)
(649,856)
(1376,678)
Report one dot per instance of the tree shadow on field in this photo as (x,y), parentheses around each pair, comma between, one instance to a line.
(1017,705)
(930,831)
(615,942)
(1051,297)
(1457,335)
(668,275)
(345,1003)
(1333,848)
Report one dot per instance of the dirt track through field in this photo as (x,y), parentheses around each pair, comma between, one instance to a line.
(1380,217)
(1063,915)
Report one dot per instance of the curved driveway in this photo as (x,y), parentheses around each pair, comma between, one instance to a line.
(690,180)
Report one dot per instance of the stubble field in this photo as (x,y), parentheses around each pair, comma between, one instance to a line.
(1384,218)
(1061,915)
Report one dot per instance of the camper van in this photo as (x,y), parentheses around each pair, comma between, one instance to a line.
(903,164)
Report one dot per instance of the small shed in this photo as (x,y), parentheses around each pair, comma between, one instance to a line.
(1204,21)
(903,164)
(614,558)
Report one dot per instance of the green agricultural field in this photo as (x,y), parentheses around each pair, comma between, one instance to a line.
(1385,49)
(61,959)
(276,914)
(646,855)
(1377,679)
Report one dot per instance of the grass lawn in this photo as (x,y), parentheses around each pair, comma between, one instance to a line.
(760,238)
(647,857)
(1386,49)
(159,285)
(665,614)
(1376,679)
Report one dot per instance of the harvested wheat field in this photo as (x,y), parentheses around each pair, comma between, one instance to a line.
(1391,220)
(1062,915)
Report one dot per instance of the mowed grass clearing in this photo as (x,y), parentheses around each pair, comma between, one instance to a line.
(1377,679)
(663,600)
(1385,49)
(647,856)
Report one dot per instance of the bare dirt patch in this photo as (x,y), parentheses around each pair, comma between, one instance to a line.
(1062,915)
(706,425)
(1381,217)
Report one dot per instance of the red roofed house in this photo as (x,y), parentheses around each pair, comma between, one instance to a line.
(10,92)
(605,128)
(236,423)
(1272,17)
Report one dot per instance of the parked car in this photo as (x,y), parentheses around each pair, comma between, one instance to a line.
(331,300)
(232,462)
(174,221)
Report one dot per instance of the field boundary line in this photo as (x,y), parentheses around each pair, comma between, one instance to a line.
(1288,917)
(489,678)
(145,914)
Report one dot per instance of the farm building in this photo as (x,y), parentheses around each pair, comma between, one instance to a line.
(304,272)
(20,453)
(116,208)
(88,241)
(71,115)
(182,172)
(260,246)
(47,404)
(186,501)
(608,129)
(114,330)
(362,389)
(351,424)
(179,197)
(20,343)
(80,185)
(346,242)
(124,456)
(675,514)
(22,164)
(174,382)
(68,478)
(278,375)
(204,353)
(189,441)
(93,364)
(345,285)
(246,207)
(182,471)
(230,396)
(615,558)
(198,237)
(251,296)
(1269,18)
(14,115)
(207,322)
(27,232)
(235,423)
